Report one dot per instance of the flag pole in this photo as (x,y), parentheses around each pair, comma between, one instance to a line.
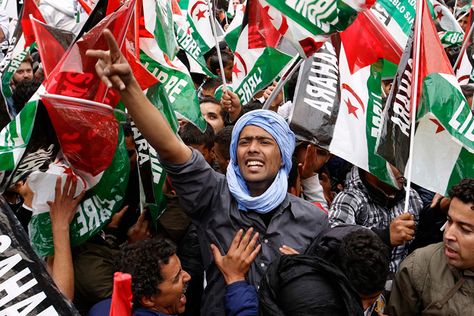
(416,67)
(464,47)
(219,56)
(284,79)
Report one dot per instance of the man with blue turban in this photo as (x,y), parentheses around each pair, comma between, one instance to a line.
(252,194)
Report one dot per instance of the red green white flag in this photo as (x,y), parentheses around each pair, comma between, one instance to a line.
(444,138)
(359,119)
(256,46)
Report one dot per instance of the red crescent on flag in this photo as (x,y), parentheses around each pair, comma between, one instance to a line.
(349,89)
(195,5)
(241,61)
(463,78)
(284,25)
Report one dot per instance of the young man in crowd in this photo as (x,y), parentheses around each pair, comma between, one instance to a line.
(253,194)
(439,279)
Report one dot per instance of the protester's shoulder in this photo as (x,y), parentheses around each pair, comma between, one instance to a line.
(423,257)
(301,206)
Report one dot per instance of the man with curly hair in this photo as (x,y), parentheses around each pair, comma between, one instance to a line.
(439,279)
(158,281)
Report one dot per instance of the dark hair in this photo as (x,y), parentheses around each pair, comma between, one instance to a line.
(127,127)
(214,61)
(211,83)
(293,175)
(141,260)
(223,138)
(467,90)
(209,100)
(365,261)
(24,90)
(464,191)
(252,105)
(191,135)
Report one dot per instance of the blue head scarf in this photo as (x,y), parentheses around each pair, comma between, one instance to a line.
(275,194)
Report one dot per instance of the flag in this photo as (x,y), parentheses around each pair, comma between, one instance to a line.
(381,32)
(232,34)
(339,110)
(95,209)
(27,143)
(28,287)
(359,118)
(162,27)
(52,43)
(30,8)
(394,140)
(317,97)
(198,17)
(174,79)
(187,42)
(451,33)
(29,147)
(298,37)
(152,174)
(174,92)
(321,18)
(75,79)
(444,137)
(464,69)
(255,47)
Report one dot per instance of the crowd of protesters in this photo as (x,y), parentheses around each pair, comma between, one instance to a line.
(258,222)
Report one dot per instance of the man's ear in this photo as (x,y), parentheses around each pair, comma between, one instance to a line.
(147,301)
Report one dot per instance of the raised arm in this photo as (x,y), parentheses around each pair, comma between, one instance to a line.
(115,72)
(62,211)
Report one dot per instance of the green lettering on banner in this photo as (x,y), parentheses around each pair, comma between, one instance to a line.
(179,88)
(317,16)
(456,118)
(262,73)
(403,11)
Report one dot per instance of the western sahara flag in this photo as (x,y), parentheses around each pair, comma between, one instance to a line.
(359,119)
(235,27)
(256,46)
(340,111)
(28,289)
(187,42)
(444,138)
(321,17)
(200,24)
(175,83)
(28,144)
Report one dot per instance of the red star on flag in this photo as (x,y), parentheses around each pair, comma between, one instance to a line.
(236,70)
(439,127)
(439,15)
(200,14)
(351,109)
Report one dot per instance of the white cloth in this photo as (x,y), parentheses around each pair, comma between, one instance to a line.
(62,14)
